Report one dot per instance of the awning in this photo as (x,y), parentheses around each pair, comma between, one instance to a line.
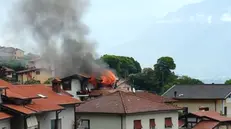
(152,123)
(32,121)
(168,122)
(137,124)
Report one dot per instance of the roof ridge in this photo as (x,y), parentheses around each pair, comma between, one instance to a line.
(122,100)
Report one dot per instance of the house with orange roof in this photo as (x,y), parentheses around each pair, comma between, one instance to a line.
(207,120)
(122,110)
(38,106)
(39,74)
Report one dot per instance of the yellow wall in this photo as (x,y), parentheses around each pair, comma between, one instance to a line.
(42,77)
(19,53)
(193,105)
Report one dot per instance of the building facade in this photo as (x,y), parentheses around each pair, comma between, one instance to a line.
(41,75)
(120,110)
(213,97)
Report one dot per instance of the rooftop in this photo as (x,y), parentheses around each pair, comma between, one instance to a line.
(212,115)
(206,125)
(4,115)
(123,103)
(206,91)
(42,96)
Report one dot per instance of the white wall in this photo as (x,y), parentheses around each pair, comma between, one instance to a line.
(75,86)
(5,123)
(66,116)
(159,119)
(100,121)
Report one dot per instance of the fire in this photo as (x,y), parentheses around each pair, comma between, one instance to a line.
(107,78)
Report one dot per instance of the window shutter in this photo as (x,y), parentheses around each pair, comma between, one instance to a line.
(137,124)
(168,122)
(152,123)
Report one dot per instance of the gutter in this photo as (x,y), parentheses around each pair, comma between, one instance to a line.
(121,124)
(57,119)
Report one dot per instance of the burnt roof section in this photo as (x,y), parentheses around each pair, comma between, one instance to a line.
(205,91)
(75,76)
(123,103)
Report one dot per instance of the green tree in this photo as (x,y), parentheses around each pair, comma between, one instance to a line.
(228,81)
(187,80)
(123,65)
(16,65)
(158,79)
(32,81)
(163,71)
(48,81)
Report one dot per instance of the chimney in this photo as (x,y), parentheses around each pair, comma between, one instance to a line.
(56,85)
(175,94)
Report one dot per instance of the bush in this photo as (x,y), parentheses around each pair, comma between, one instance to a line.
(48,81)
(32,82)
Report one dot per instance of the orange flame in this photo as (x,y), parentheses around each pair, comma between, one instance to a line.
(107,77)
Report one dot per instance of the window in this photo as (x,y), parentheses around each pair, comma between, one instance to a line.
(152,124)
(137,124)
(66,85)
(85,124)
(204,108)
(37,72)
(168,122)
(53,124)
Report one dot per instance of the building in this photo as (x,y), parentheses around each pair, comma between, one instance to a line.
(5,120)
(207,120)
(78,85)
(212,97)
(120,110)
(8,72)
(33,74)
(123,84)
(38,106)
(41,64)
(11,53)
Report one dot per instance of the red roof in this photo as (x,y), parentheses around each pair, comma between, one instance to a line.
(32,91)
(52,101)
(4,84)
(212,115)
(146,95)
(206,125)
(123,103)
(4,116)
(154,97)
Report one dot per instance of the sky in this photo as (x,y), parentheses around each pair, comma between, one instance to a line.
(194,32)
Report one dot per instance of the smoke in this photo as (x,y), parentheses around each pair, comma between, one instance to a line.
(59,34)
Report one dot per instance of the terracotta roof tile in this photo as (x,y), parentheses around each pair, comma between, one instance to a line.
(206,125)
(52,101)
(154,97)
(4,115)
(19,108)
(123,103)
(212,115)
(32,91)
(146,95)
(4,84)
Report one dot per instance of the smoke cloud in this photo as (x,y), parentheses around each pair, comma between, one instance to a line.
(60,35)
